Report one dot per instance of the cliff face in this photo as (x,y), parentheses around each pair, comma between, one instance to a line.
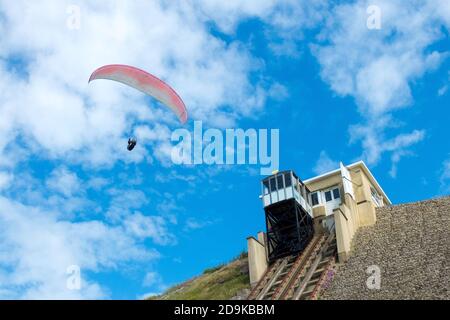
(410,244)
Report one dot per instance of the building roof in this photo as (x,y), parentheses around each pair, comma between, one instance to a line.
(360,164)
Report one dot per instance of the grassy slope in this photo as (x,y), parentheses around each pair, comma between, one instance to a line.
(220,283)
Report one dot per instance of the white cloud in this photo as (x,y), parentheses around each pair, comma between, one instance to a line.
(278,92)
(375,142)
(228,14)
(5,179)
(395,159)
(65,182)
(325,164)
(285,21)
(151,278)
(153,227)
(57,193)
(123,202)
(444,89)
(50,104)
(38,247)
(284,14)
(51,224)
(173,175)
(195,224)
(404,140)
(49,111)
(97,183)
(155,281)
(378,67)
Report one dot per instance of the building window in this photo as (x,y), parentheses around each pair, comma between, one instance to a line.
(287,180)
(374,192)
(295,186)
(328,196)
(280,182)
(376,197)
(315,198)
(273,186)
(336,193)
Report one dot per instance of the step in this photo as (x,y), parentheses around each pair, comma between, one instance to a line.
(283,273)
(299,280)
(305,294)
(296,287)
(275,286)
(290,261)
(304,297)
(319,270)
(309,290)
(315,276)
(321,263)
(277,282)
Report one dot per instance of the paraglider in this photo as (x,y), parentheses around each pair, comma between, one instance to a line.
(144,82)
(131,144)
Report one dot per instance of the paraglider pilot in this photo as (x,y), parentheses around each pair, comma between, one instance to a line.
(131,144)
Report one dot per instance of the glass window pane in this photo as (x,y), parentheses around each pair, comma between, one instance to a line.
(273,186)
(315,198)
(287,180)
(336,193)
(328,196)
(373,191)
(280,182)
(266,186)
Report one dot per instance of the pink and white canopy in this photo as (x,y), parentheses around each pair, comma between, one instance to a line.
(144,82)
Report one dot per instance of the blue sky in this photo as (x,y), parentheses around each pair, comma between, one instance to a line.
(135,223)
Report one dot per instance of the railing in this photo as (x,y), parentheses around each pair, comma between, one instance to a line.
(308,208)
(378,200)
(274,197)
(305,204)
(264,280)
(314,265)
(325,279)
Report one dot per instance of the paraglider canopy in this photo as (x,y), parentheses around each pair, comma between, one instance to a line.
(146,83)
(131,144)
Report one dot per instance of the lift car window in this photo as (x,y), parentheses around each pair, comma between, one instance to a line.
(280,182)
(287,180)
(273,186)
